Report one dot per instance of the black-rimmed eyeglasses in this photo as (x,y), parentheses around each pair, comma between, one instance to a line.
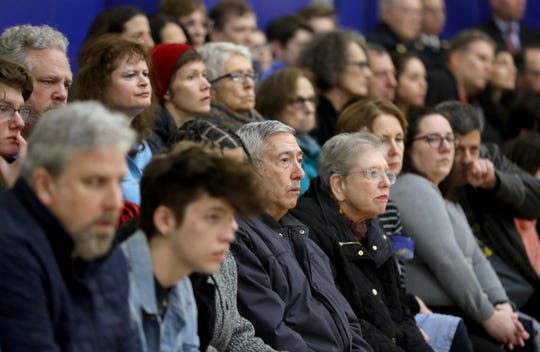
(436,140)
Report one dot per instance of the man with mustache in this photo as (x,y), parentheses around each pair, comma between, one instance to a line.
(285,284)
(64,283)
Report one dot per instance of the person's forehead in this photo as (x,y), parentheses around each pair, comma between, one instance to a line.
(282,142)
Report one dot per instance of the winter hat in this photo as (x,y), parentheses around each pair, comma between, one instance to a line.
(164,59)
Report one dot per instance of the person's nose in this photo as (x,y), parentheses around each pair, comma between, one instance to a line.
(231,231)
(61,93)
(297,172)
(113,199)
(16,122)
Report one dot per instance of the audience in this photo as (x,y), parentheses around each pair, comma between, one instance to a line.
(525,153)
(43,51)
(179,82)
(261,53)
(433,49)
(382,83)
(115,72)
(339,63)
(288,95)
(497,99)
(386,121)
(188,201)
(64,283)
(128,21)
(167,29)
(445,250)
(15,89)
(321,18)
(230,71)
(411,87)
(233,21)
(285,284)
(470,61)
(191,14)
(493,191)
(287,36)
(505,26)
(400,25)
(528,65)
(340,208)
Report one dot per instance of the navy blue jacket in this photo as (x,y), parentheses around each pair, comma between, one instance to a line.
(49,301)
(286,289)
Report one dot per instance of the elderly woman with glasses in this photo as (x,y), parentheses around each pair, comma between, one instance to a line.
(341,209)
(449,271)
(231,74)
(288,95)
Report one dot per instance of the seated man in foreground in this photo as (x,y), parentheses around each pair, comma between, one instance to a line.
(285,284)
(64,285)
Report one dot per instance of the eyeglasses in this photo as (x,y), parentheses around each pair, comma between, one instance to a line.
(8,112)
(300,102)
(436,140)
(375,174)
(237,77)
(362,64)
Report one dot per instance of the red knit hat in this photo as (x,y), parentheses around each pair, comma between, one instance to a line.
(164,59)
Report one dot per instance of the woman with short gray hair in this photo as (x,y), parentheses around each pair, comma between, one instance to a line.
(341,209)
(231,74)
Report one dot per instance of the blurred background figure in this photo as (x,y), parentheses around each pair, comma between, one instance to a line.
(288,95)
(287,37)
(192,15)
(128,21)
(233,21)
(528,65)
(497,98)
(167,29)
(399,27)
(506,28)
(261,53)
(339,63)
(432,49)
(525,153)
(321,18)
(231,73)
(382,83)
(412,86)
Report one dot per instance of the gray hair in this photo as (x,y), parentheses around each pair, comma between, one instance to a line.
(463,118)
(77,127)
(255,136)
(216,55)
(339,155)
(15,41)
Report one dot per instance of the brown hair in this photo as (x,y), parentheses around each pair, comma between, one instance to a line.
(364,112)
(98,59)
(222,11)
(180,8)
(275,91)
(15,75)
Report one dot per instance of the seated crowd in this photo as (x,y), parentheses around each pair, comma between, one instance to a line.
(201,185)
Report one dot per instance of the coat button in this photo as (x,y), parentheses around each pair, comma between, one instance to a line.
(374,247)
(301,232)
(384,237)
(280,234)
(360,253)
(374,291)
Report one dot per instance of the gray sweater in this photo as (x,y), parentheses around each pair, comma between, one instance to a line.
(232,332)
(448,269)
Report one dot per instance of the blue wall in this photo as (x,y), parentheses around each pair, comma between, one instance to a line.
(73,17)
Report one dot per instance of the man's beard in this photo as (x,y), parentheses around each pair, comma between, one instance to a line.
(89,245)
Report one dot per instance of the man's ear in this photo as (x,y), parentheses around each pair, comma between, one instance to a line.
(44,186)
(338,187)
(164,220)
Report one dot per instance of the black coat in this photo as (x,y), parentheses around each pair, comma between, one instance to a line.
(365,273)
(527,36)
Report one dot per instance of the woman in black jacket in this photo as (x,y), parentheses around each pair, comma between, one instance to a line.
(341,209)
